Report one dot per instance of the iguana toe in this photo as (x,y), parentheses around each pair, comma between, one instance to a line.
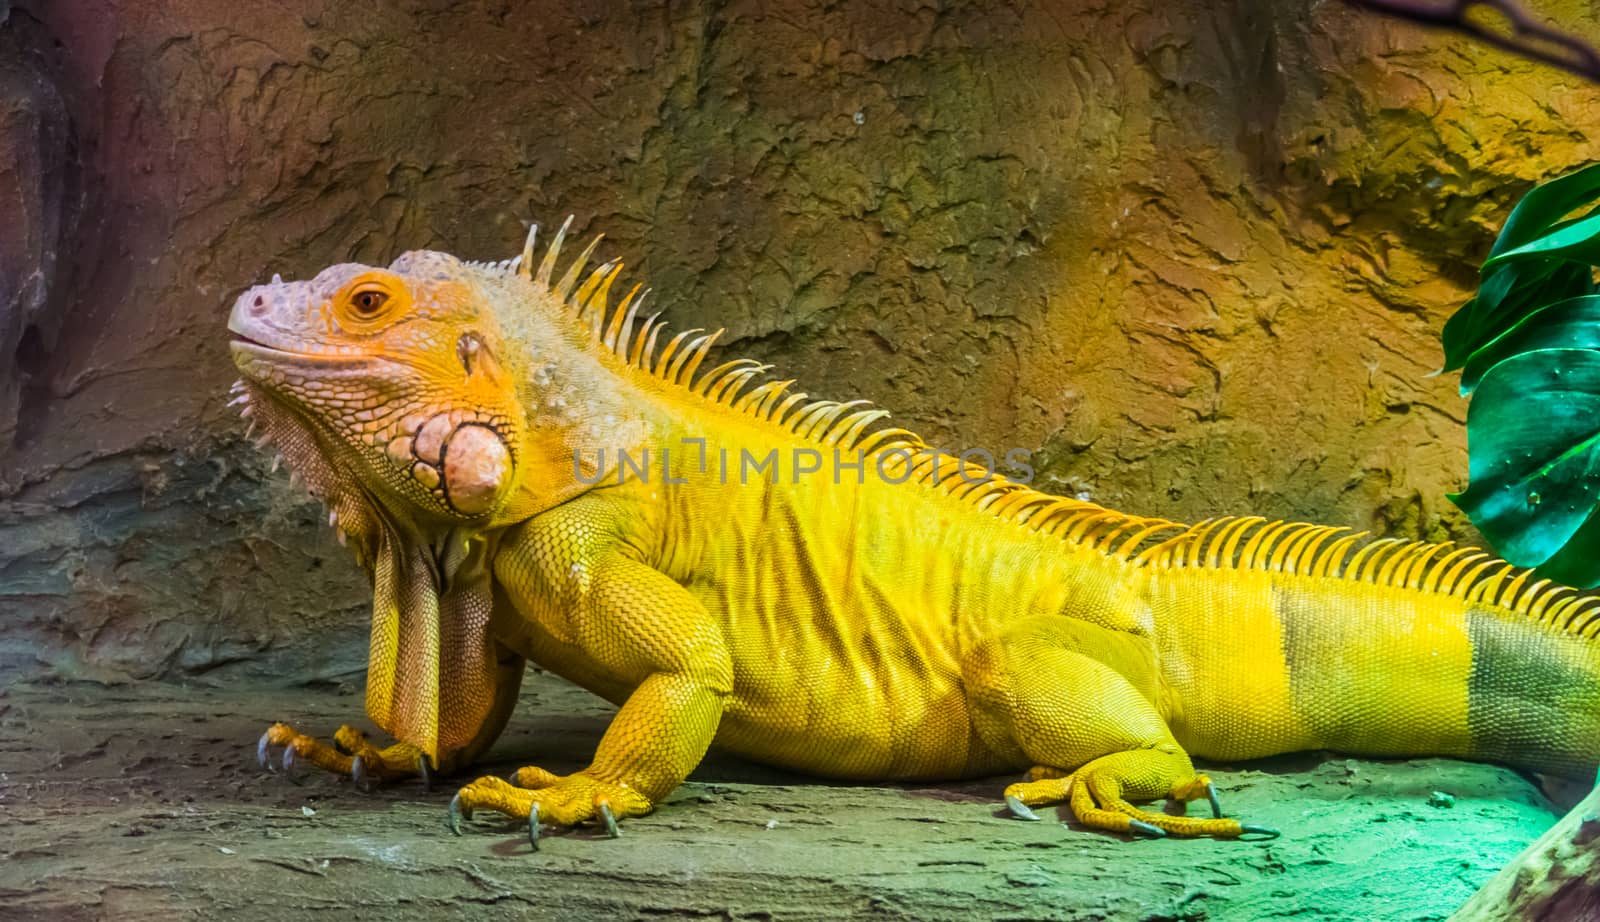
(350,755)
(1097,795)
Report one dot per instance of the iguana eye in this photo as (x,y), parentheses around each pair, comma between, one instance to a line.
(368,303)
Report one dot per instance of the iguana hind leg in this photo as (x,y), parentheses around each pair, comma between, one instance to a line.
(1055,693)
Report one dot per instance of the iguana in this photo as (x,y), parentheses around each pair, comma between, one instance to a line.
(530,471)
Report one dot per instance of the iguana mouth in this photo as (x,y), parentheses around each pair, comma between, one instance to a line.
(246,344)
(256,347)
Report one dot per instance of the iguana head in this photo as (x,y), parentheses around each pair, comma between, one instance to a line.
(398,374)
(429,404)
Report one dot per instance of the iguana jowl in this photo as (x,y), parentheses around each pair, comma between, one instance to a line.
(529,472)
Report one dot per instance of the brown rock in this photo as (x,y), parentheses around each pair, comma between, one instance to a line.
(38,186)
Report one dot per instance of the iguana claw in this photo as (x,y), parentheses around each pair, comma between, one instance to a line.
(610,820)
(264,751)
(457,812)
(533,827)
(358,772)
(1266,832)
(1211,795)
(425,770)
(1147,830)
(1019,809)
(290,765)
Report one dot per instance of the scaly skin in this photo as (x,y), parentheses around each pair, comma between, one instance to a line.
(868,608)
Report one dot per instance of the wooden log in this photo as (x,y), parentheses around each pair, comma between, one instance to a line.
(1557,878)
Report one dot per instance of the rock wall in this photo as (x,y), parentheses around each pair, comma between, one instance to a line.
(1195,256)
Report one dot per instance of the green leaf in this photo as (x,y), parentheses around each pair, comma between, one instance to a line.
(1570,324)
(1546,204)
(1458,339)
(1533,437)
(1479,320)
(1505,297)
(1576,563)
(1578,241)
(1528,346)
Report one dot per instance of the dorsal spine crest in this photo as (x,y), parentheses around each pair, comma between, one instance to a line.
(1277,547)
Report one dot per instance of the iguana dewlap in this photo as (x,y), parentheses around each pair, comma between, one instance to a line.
(531,473)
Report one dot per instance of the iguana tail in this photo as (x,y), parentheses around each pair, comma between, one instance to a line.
(1276,637)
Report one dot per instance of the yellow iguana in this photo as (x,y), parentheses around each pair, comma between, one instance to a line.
(531,473)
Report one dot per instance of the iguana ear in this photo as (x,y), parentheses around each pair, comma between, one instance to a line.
(431,663)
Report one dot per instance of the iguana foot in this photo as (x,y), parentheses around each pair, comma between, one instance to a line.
(1095,795)
(543,797)
(351,754)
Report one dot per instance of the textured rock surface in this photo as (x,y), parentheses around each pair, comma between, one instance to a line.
(1195,256)
(146,803)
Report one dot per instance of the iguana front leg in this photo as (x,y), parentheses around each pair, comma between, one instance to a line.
(354,755)
(608,614)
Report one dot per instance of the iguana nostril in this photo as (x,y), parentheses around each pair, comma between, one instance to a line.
(258,306)
(467,350)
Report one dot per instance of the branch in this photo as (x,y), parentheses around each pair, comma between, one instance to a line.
(1557,877)
(1528,38)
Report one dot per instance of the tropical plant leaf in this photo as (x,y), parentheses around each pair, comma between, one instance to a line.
(1570,324)
(1546,204)
(1534,434)
(1504,298)
(1577,241)
(1528,346)
(1574,564)
(1541,256)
